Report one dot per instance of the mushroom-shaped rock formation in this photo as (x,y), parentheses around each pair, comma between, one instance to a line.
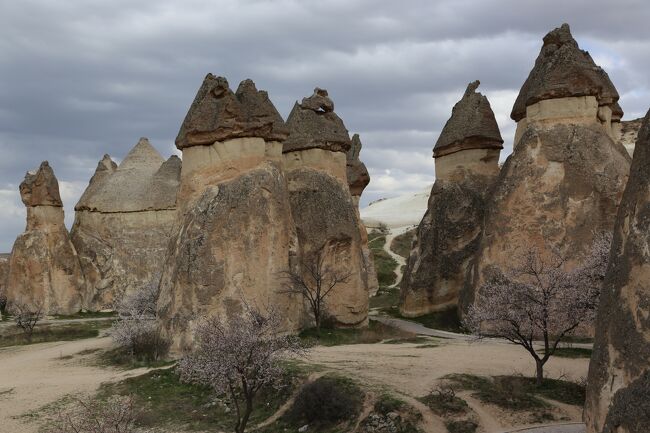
(326,216)
(467,155)
(563,70)
(618,390)
(218,114)
(235,235)
(562,184)
(44,270)
(123,223)
(565,84)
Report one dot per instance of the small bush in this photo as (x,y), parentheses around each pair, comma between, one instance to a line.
(464,426)
(327,401)
(387,403)
(115,415)
(443,401)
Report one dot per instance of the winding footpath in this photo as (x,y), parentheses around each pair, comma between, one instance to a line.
(401,261)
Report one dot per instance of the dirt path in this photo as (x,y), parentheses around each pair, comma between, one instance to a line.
(413,371)
(39,374)
(401,261)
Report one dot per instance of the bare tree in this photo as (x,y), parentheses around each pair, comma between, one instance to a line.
(136,328)
(239,356)
(539,300)
(27,316)
(116,415)
(315,281)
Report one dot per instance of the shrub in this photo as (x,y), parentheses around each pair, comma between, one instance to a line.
(463,426)
(443,400)
(387,403)
(327,401)
(116,415)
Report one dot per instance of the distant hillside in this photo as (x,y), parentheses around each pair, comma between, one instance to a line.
(404,210)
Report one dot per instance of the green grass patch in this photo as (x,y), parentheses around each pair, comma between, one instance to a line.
(572,352)
(86,315)
(50,333)
(120,358)
(415,340)
(518,392)
(446,320)
(385,298)
(401,244)
(167,402)
(385,265)
(374,333)
(462,426)
(444,405)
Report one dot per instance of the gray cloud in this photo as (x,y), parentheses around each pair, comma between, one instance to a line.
(84,78)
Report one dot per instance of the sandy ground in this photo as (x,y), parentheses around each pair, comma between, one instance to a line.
(36,375)
(414,371)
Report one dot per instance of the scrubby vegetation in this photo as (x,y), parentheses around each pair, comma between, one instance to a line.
(385,265)
(518,392)
(385,298)
(374,333)
(50,333)
(326,402)
(401,244)
(446,320)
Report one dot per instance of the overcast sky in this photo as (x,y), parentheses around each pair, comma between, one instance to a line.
(81,78)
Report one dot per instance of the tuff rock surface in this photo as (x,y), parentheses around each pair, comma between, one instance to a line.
(563,70)
(235,235)
(324,212)
(218,114)
(447,238)
(562,184)
(618,391)
(44,269)
(123,223)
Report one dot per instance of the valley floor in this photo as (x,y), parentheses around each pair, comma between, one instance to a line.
(41,374)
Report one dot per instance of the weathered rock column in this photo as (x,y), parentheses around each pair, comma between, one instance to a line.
(618,390)
(563,182)
(44,269)
(123,223)
(358,178)
(466,156)
(325,214)
(236,234)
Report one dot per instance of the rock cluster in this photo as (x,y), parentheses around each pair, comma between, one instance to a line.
(326,216)
(618,392)
(466,156)
(123,223)
(4,271)
(562,184)
(44,270)
(236,234)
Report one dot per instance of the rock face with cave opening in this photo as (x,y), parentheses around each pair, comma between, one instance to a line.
(44,270)
(618,391)
(123,223)
(562,184)
(325,213)
(466,157)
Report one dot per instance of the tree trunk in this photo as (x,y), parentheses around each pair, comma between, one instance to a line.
(247,413)
(317,320)
(540,372)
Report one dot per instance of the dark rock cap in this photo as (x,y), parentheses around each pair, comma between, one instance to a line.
(218,114)
(314,124)
(357,173)
(617,112)
(471,126)
(563,70)
(41,188)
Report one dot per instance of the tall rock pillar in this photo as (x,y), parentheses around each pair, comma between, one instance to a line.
(562,184)
(44,269)
(324,211)
(466,157)
(235,235)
